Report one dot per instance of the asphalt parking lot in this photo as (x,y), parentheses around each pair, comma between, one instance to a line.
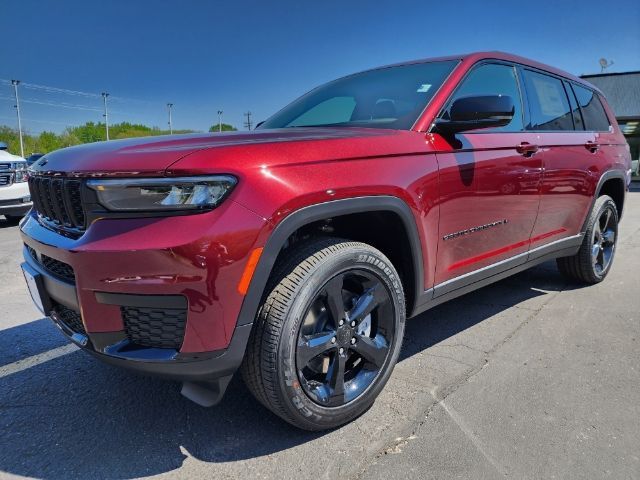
(532,377)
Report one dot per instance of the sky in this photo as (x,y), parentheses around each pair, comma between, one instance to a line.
(204,56)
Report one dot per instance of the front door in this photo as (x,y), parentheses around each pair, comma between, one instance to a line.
(489,187)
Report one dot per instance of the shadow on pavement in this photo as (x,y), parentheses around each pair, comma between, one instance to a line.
(4,223)
(73,417)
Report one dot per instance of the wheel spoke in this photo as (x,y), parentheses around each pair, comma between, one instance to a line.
(595,252)
(335,379)
(607,218)
(609,236)
(334,300)
(373,350)
(367,303)
(310,346)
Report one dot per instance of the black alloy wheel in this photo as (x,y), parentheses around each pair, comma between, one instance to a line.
(604,240)
(593,261)
(345,337)
(328,333)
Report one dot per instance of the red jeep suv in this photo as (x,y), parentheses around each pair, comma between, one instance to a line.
(295,252)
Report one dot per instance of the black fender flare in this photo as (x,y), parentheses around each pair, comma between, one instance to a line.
(321,211)
(608,175)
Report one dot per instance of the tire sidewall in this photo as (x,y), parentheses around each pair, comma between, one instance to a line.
(296,399)
(604,202)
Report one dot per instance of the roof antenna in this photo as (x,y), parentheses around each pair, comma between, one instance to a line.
(604,64)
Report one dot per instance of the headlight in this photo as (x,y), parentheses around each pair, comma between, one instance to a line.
(162,194)
(21,173)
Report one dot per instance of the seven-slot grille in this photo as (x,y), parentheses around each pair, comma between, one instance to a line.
(58,200)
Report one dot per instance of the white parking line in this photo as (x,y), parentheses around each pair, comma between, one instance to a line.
(35,360)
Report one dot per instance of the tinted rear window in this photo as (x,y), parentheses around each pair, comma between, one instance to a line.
(548,102)
(593,112)
(575,110)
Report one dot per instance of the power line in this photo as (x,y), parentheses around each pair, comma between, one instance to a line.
(54,104)
(33,120)
(69,105)
(66,91)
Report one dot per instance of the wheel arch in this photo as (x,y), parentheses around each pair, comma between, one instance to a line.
(612,183)
(322,211)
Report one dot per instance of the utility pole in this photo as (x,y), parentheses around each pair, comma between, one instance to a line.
(15,84)
(219,120)
(106,112)
(170,106)
(248,124)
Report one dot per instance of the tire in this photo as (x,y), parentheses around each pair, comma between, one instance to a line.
(282,367)
(13,219)
(594,259)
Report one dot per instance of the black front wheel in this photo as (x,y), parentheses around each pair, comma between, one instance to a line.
(327,335)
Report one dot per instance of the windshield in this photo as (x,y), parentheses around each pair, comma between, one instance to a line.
(392,97)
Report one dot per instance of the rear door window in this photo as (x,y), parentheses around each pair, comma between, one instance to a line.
(548,103)
(575,110)
(593,112)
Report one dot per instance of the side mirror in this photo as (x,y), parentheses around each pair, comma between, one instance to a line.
(471,113)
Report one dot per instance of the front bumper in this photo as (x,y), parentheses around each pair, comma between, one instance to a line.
(116,264)
(15,199)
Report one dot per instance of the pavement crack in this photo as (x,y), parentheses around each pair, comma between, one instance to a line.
(441,394)
(446,357)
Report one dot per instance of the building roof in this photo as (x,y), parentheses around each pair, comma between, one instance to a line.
(621,89)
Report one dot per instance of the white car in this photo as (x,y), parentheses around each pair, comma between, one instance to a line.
(15,199)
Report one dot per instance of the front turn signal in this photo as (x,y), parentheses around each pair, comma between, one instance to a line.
(250,267)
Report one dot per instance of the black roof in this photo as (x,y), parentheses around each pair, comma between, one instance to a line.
(621,89)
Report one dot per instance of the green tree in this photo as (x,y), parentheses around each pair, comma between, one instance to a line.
(75,135)
(225,128)
(48,141)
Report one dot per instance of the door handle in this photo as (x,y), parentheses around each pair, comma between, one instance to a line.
(592,146)
(527,149)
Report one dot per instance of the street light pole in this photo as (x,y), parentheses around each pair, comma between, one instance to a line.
(170,106)
(15,84)
(106,112)
(219,120)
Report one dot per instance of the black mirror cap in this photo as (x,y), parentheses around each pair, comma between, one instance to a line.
(482,107)
(471,113)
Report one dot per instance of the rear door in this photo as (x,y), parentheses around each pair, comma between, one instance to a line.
(489,186)
(572,155)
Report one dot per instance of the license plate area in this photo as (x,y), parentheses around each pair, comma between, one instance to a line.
(37,290)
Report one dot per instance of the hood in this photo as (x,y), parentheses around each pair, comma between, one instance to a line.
(154,155)
(8,157)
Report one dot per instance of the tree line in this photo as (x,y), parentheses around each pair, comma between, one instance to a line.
(46,142)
